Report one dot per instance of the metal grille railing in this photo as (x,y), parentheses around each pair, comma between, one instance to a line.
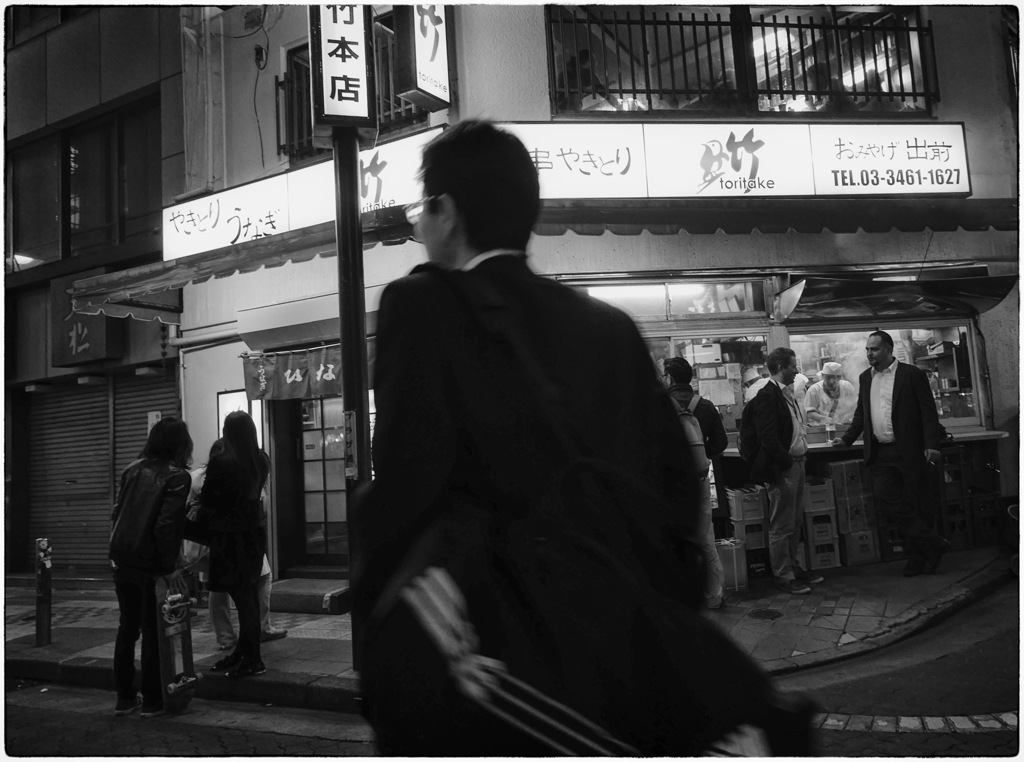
(635,58)
(295,137)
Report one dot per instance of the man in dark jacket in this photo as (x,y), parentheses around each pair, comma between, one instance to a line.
(779,422)
(145,540)
(715,441)
(902,436)
(471,419)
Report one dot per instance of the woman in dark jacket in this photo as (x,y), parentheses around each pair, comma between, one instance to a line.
(235,526)
(148,523)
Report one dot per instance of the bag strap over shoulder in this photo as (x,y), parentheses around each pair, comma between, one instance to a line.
(692,407)
(487,305)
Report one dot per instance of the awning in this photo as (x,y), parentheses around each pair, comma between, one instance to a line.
(838,298)
(768,215)
(131,293)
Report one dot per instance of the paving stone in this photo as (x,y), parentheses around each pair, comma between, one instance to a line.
(961,724)
(935,724)
(1010,718)
(860,722)
(846,638)
(884,725)
(987,721)
(910,724)
(835,722)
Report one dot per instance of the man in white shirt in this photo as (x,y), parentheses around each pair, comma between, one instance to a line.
(775,418)
(902,436)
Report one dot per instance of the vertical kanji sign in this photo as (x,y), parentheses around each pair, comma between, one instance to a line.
(341,57)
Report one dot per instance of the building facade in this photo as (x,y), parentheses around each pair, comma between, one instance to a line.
(94,152)
(692,168)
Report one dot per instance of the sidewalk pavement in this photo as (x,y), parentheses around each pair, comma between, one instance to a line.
(854,611)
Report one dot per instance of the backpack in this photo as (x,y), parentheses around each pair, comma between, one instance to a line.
(694,435)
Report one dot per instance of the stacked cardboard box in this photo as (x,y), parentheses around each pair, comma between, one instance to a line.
(988,518)
(754,533)
(746,503)
(747,509)
(859,548)
(734,561)
(855,503)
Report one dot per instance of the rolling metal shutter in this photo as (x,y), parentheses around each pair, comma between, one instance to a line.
(134,399)
(78,447)
(69,475)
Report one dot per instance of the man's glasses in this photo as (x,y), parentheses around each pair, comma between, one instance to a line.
(415,210)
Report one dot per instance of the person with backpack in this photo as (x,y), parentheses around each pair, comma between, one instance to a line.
(713,441)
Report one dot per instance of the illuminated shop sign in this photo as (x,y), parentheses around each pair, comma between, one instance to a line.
(421,58)
(611,161)
(741,160)
(292,201)
(341,52)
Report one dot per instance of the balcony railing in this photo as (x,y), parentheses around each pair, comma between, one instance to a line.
(637,58)
(295,135)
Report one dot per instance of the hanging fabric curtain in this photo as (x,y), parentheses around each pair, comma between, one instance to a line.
(293,375)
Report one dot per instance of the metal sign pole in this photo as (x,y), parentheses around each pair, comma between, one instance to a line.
(351,307)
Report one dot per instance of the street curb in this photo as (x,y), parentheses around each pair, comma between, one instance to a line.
(925,614)
(274,688)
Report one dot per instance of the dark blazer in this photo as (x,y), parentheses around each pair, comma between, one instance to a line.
(455,415)
(774,424)
(915,423)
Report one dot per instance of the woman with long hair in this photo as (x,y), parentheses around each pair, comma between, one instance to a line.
(148,524)
(232,516)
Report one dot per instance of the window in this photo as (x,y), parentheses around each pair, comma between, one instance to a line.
(323,463)
(33,205)
(92,187)
(229,402)
(28,21)
(679,301)
(826,59)
(89,188)
(295,136)
(942,352)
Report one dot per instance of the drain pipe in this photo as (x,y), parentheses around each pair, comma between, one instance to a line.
(206,338)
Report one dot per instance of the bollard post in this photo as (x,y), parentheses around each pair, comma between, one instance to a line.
(44,591)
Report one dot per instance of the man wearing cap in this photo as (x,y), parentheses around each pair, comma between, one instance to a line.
(753,381)
(833,399)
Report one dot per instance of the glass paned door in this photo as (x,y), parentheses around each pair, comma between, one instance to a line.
(323,463)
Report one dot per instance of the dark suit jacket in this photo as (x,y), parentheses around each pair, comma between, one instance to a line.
(915,423)
(455,415)
(774,424)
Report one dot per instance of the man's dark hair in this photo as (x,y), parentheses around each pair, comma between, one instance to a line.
(169,440)
(491,177)
(680,370)
(886,339)
(779,359)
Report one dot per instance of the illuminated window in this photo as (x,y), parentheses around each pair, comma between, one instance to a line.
(943,353)
(829,59)
(674,301)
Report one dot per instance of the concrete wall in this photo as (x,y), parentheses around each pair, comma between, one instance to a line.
(975,88)
(206,373)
